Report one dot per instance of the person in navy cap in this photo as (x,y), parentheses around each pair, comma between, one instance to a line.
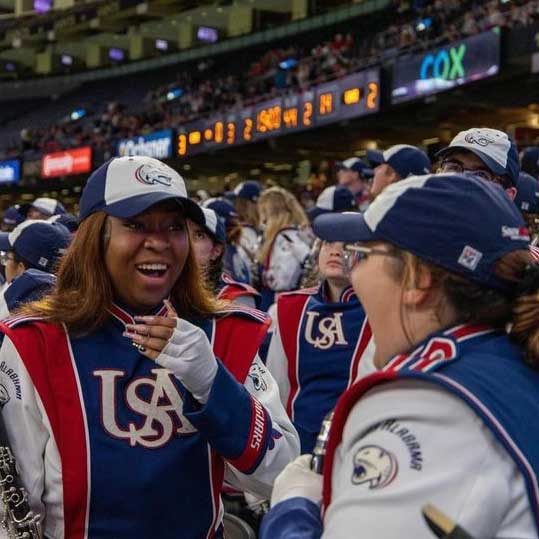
(209,241)
(42,208)
(236,260)
(441,265)
(133,390)
(529,161)
(66,219)
(11,217)
(30,255)
(246,195)
(334,198)
(395,164)
(486,153)
(527,201)
(355,174)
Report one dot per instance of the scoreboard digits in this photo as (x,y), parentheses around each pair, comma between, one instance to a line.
(350,97)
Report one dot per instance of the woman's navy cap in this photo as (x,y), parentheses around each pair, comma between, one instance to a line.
(460,223)
(527,197)
(39,243)
(249,190)
(126,186)
(223,208)
(214,225)
(331,199)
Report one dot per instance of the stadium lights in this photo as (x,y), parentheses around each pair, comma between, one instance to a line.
(78,114)
(175,93)
(288,63)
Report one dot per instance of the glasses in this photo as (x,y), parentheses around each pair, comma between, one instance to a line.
(5,256)
(353,254)
(482,174)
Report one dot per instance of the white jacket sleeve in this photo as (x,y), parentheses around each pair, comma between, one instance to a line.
(31,440)
(261,385)
(277,362)
(410,443)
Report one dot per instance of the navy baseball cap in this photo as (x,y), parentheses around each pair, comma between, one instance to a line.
(126,186)
(214,225)
(249,190)
(529,160)
(527,197)
(12,216)
(332,199)
(46,205)
(39,243)
(223,208)
(404,159)
(495,149)
(460,223)
(357,165)
(66,219)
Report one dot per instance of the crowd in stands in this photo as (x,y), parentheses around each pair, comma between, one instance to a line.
(208,89)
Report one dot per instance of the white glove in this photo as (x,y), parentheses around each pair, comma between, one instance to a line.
(189,355)
(298,480)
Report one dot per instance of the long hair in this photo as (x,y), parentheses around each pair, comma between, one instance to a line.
(475,303)
(83,292)
(247,211)
(278,209)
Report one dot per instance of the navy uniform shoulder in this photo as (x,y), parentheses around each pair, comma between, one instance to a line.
(243,312)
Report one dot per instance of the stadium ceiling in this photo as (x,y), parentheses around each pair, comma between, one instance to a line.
(85,31)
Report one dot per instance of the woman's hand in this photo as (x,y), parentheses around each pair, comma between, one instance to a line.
(179,346)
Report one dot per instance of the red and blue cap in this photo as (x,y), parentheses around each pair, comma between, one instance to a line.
(460,223)
(38,243)
(404,159)
(127,186)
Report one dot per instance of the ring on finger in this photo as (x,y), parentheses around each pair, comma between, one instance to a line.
(139,347)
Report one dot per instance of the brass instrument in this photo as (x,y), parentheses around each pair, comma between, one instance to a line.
(18,520)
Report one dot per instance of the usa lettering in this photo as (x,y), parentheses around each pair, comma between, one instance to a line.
(162,413)
(329,329)
(260,426)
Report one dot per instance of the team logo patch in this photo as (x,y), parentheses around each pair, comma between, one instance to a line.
(256,374)
(515,233)
(374,467)
(151,176)
(479,139)
(329,330)
(4,396)
(470,257)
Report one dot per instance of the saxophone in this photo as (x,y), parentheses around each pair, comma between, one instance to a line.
(18,520)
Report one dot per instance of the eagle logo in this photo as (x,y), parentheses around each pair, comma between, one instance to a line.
(151,176)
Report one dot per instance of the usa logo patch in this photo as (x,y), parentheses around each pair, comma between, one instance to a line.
(470,257)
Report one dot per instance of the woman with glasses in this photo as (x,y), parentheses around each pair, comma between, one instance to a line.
(320,334)
(130,395)
(441,266)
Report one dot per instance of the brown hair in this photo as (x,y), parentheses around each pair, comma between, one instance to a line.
(478,304)
(83,292)
(280,209)
(247,211)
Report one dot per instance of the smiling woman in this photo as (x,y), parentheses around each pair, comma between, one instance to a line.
(121,390)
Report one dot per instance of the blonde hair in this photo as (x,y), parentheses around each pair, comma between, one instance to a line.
(278,209)
(83,292)
(476,303)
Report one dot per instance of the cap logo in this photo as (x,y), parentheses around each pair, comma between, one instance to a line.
(470,257)
(151,176)
(478,139)
(43,261)
(515,233)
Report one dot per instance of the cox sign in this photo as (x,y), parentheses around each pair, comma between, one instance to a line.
(458,63)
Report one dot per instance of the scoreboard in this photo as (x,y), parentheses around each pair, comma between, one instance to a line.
(350,97)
